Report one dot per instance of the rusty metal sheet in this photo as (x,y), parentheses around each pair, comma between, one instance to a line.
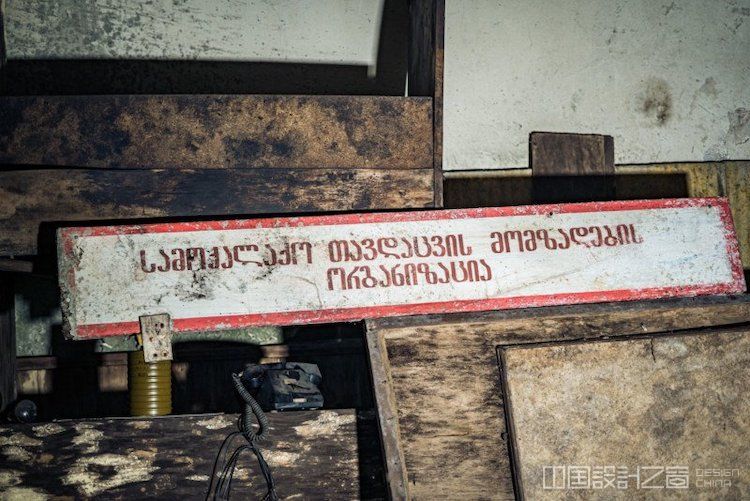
(651,418)
(226,274)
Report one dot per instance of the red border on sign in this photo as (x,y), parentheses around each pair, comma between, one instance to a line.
(90,331)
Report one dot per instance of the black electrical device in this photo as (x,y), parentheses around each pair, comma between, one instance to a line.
(285,386)
(262,387)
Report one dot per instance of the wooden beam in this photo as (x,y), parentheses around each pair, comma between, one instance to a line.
(395,470)
(16,265)
(3,52)
(217,132)
(572,167)
(426,55)
(7,343)
(312,454)
(561,154)
(29,198)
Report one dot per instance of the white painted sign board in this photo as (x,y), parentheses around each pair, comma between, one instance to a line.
(229,274)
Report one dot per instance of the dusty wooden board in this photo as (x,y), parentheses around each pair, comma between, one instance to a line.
(227,274)
(559,154)
(333,31)
(312,454)
(29,198)
(439,377)
(217,131)
(628,419)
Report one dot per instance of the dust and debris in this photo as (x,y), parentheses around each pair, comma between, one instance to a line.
(655,101)
(709,87)
(88,438)
(141,424)
(739,125)
(86,476)
(16,453)
(324,424)
(45,430)
(9,478)
(20,439)
(215,423)
(198,478)
(24,494)
(280,458)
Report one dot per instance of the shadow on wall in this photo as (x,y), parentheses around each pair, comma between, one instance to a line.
(30,77)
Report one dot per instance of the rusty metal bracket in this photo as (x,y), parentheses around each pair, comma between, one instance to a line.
(156,333)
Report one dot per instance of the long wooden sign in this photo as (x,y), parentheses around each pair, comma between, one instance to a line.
(229,274)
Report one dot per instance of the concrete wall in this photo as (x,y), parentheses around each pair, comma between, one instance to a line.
(670,80)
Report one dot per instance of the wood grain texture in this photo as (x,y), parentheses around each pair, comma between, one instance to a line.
(388,422)
(3,52)
(447,388)
(426,55)
(7,343)
(560,154)
(217,132)
(31,197)
(312,454)
(664,401)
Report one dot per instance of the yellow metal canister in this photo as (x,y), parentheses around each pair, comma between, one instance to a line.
(150,386)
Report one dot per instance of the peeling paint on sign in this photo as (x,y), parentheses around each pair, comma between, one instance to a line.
(227,274)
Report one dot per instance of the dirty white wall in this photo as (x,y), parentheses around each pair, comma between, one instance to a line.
(669,79)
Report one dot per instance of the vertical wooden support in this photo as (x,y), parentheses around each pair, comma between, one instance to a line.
(559,160)
(426,48)
(2,34)
(393,453)
(7,343)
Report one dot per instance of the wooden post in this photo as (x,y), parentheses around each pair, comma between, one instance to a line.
(556,158)
(426,48)
(7,343)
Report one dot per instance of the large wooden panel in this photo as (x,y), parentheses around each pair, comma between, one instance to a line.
(312,455)
(210,131)
(31,197)
(330,31)
(626,419)
(439,379)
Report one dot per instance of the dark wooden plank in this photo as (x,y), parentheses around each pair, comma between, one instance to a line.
(16,265)
(561,154)
(7,343)
(602,318)
(31,197)
(3,55)
(395,469)
(426,51)
(446,390)
(313,455)
(216,132)
(572,167)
